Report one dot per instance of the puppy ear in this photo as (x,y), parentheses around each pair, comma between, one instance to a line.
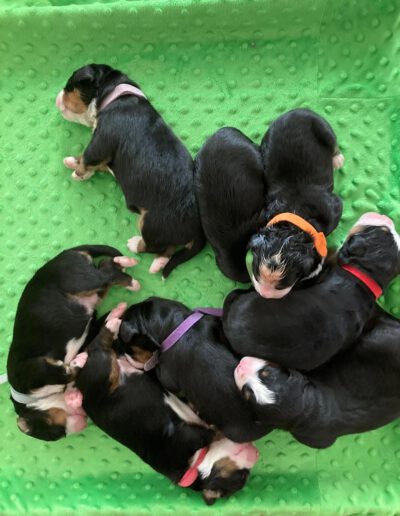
(211,495)
(23,425)
(86,74)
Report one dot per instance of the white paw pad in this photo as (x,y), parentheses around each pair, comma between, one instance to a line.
(338,161)
(117,312)
(80,360)
(113,326)
(125,261)
(133,243)
(158,264)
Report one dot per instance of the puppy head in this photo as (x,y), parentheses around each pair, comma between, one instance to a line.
(136,334)
(373,245)
(280,256)
(48,425)
(253,378)
(225,469)
(77,101)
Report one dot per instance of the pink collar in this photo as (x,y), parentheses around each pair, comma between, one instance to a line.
(193,472)
(367,280)
(120,91)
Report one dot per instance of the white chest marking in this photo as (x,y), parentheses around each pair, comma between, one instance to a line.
(75,344)
(183,410)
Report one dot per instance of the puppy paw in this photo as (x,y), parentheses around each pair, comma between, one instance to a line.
(134,286)
(80,360)
(158,264)
(113,326)
(133,243)
(125,261)
(75,424)
(117,312)
(338,161)
(83,177)
(73,398)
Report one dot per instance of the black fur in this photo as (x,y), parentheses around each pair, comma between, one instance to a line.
(297,151)
(308,326)
(200,365)
(152,166)
(230,192)
(356,392)
(48,316)
(136,415)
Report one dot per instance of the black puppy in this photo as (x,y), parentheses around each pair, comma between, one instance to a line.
(299,152)
(229,182)
(52,322)
(310,325)
(152,166)
(200,365)
(357,391)
(133,408)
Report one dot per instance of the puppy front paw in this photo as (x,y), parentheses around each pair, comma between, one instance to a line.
(73,398)
(125,261)
(133,244)
(158,264)
(117,312)
(134,286)
(338,161)
(79,361)
(71,162)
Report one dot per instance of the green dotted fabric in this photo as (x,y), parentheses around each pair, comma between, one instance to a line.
(204,65)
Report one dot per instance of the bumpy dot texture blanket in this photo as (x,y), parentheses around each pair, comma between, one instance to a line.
(203,64)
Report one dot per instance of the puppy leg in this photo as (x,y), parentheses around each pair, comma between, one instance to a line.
(82,171)
(96,156)
(49,375)
(161,261)
(112,272)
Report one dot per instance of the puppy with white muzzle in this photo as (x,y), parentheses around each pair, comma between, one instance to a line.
(300,153)
(55,316)
(355,392)
(310,325)
(152,166)
(132,407)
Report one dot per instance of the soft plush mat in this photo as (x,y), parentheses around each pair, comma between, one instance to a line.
(203,64)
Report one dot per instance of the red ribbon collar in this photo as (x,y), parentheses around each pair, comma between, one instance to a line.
(193,472)
(370,283)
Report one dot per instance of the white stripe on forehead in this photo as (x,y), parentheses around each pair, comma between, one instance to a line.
(375,219)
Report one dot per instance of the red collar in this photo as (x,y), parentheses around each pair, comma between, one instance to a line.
(370,283)
(193,472)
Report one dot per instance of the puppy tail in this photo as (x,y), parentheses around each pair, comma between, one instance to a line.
(185,254)
(98,250)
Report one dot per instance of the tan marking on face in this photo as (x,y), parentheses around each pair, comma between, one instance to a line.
(272,277)
(86,255)
(263,373)
(226,467)
(73,101)
(141,355)
(354,230)
(56,416)
(189,245)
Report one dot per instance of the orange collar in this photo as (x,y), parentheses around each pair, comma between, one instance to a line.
(318,237)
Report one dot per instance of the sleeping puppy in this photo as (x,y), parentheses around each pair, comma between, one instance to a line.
(230,191)
(152,166)
(133,408)
(355,392)
(53,320)
(307,327)
(299,152)
(200,365)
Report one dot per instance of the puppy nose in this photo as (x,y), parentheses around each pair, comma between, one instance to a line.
(247,452)
(372,217)
(244,367)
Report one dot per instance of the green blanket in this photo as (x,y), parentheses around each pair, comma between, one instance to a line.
(203,64)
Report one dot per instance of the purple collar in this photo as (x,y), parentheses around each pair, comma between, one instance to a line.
(179,331)
(120,91)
